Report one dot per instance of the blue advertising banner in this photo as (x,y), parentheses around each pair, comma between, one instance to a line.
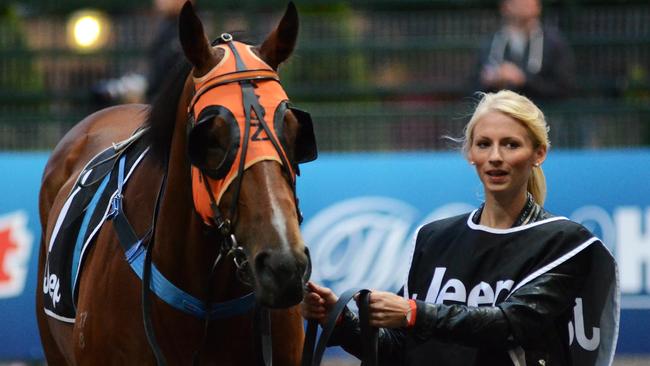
(19,236)
(361,212)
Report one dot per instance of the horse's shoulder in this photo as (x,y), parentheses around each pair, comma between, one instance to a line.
(94,134)
(85,140)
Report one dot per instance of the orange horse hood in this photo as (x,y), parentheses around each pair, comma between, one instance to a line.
(229,96)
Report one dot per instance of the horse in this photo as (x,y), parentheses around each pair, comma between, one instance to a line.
(214,190)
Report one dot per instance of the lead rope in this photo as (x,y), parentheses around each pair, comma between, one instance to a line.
(369,335)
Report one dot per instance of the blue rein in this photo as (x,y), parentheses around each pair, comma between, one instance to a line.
(134,252)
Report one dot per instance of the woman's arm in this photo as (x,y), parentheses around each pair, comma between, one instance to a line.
(347,334)
(319,302)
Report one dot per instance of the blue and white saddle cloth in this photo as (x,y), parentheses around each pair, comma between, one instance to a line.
(81,217)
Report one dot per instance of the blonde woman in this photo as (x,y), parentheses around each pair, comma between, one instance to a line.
(507,284)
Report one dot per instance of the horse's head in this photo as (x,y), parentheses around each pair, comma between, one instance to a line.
(245,142)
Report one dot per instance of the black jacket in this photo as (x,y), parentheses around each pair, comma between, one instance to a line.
(522,322)
(549,75)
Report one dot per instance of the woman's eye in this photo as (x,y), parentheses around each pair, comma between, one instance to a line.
(482,144)
(512,145)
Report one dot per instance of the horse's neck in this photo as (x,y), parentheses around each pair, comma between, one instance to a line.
(183,251)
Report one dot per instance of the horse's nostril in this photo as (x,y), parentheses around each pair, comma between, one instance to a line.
(261,261)
(280,276)
(280,265)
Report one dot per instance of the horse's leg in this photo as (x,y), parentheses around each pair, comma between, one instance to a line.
(288,336)
(109,329)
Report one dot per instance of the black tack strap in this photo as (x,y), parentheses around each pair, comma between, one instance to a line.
(369,335)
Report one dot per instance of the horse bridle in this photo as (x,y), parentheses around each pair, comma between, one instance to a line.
(224,225)
(139,255)
(246,79)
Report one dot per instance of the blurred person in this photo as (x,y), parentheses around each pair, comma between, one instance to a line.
(17,74)
(526,56)
(165,50)
(508,283)
(163,54)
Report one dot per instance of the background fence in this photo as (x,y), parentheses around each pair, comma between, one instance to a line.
(377,75)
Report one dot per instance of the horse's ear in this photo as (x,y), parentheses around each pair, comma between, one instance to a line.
(280,43)
(195,44)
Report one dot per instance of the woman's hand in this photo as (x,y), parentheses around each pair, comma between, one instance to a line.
(318,302)
(388,310)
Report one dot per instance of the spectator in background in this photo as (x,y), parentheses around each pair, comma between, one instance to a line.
(526,56)
(165,50)
(163,54)
(17,74)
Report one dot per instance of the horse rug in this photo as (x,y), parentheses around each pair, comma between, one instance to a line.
(87,207)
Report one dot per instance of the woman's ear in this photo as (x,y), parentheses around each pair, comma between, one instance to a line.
(540,155)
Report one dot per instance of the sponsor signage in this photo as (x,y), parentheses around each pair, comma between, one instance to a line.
(361,213)
(19,237)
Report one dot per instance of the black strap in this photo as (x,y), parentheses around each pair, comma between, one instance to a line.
(125,233)
(263,327)
(310,343)
(131,244)
(369,335)
(146,282)
(146,308)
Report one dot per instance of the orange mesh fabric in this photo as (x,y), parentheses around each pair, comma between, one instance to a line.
(270,95)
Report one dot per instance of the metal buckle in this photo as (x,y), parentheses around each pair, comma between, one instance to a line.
(239,257)
(116,207)
(243,266)
(226,37)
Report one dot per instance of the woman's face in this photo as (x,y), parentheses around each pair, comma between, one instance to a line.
(503,154)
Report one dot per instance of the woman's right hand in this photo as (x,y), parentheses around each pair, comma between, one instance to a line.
(318,302)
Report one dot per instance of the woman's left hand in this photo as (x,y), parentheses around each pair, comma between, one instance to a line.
(388,310)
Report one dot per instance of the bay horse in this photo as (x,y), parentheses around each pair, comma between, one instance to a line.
(215,193)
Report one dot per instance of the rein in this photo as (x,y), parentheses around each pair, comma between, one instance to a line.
(250,101)
(312,353)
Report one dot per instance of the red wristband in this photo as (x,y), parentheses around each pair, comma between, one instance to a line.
(412,312)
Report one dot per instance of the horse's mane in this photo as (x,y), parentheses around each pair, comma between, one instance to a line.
(163,110)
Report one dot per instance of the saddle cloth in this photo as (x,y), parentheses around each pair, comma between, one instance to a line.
(81,217)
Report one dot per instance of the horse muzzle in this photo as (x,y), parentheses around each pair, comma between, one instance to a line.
(280,276)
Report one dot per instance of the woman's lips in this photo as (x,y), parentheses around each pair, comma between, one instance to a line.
(497,175)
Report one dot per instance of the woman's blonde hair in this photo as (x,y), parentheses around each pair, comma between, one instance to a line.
(529,115)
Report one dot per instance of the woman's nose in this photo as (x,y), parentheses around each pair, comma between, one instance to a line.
(495,155)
